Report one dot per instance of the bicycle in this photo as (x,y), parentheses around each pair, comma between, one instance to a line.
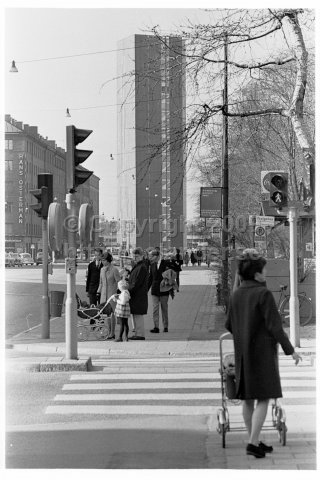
(305,307)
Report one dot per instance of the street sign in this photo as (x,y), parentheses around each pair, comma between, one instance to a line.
(260,231)
(259,234)
(210,202)
(265,183)
(265,221)
(252,219)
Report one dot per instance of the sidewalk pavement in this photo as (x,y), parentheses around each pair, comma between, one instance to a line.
(195,325)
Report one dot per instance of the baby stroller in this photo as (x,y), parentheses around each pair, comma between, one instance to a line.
(228,393)
(93,319)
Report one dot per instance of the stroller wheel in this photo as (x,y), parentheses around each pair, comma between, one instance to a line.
(101,332)
(83,333)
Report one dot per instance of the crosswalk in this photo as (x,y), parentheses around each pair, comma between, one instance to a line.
(168,386)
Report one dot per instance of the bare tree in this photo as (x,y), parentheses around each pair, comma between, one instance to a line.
(252,37)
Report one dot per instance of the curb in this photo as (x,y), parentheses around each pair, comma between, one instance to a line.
(83,364)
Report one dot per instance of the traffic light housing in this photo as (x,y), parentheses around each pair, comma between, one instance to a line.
(41,208)
(76,175)
(278,189)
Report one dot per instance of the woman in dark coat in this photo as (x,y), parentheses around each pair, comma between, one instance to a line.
(256,326)
(138,289)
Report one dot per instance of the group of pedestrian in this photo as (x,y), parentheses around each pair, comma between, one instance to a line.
(127,291)
(195,257)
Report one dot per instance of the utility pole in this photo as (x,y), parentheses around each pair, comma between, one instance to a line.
(225,182)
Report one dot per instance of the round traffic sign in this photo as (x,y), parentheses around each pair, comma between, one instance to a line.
(260,231)
(85,224)
(55,226)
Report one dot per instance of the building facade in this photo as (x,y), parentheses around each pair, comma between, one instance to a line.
(151,155)
(26,155)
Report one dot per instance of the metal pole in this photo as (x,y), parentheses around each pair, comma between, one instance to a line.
(71,307)
(45,325)
(294,301)
(225,181)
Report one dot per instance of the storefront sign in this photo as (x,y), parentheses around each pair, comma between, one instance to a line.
(210,202)
(21,188)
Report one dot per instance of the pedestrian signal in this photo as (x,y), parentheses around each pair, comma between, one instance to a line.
(278,189)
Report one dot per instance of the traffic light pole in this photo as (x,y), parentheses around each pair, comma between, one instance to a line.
(71,306)
(45,325)
(294,301)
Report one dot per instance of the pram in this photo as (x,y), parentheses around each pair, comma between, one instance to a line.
(228,393)
(93,319)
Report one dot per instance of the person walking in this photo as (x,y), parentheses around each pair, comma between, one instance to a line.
(199,257)
(122,310)
(157,267)
(93,277)
(177,262)
(193,258)
(108,285)
(186,259)
(256,326)
(138,289)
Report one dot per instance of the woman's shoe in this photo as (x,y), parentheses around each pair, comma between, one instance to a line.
(266,448)
(118,339)
(255,451)
(112,337)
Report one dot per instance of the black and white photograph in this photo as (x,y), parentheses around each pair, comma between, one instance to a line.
(158,238)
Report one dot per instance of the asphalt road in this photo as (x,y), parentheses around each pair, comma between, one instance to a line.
(23,294)
(37,440)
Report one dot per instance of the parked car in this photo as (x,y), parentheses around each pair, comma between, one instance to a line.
(39,258)
(26,259)
(9,261)
(15,258)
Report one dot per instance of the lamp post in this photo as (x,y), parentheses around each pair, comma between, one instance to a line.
(148,190)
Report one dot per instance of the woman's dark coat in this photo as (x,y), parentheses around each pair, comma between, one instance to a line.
(256,325)
(138,288)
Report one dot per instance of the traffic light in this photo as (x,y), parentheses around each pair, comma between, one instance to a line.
(278,189)
(41,208)
(76,175)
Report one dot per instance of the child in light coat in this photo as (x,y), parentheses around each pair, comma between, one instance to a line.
(122,310)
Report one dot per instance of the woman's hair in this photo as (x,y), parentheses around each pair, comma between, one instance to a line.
(250,263)
(107,256)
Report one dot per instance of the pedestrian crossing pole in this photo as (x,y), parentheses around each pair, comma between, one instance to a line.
(75,176)
(71,307)
(294,300)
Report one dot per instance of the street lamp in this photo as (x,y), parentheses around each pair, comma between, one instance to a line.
(13,68)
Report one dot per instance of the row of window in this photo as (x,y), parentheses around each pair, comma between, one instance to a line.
(42,153)
(31,229)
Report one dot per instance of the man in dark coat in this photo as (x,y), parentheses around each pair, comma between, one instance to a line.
(157,267)
(93,277)
(256,326)
(138,289)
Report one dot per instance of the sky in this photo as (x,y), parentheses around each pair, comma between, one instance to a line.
(84,81)
(42,90)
